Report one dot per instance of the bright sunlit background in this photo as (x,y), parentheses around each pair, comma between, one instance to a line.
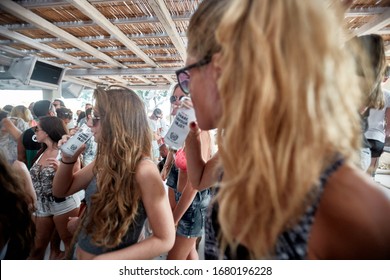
(19,97)
(152,99)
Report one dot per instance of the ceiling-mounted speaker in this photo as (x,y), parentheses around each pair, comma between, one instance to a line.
(71,90)
(37,73)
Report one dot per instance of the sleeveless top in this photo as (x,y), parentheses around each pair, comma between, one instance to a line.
(291,244)
(181,160)
(42,179)
(131,237)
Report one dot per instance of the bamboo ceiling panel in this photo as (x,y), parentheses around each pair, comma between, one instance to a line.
(138,42)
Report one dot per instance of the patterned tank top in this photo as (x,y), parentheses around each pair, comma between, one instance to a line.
(42,179)
(292,244)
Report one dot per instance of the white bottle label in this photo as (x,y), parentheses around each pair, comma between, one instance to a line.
(74,143)
(179,129)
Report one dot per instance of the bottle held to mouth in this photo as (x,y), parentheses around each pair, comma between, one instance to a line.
(180,128)
(74,143)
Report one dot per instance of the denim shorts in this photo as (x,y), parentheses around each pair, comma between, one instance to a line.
(192,223)
(376,147)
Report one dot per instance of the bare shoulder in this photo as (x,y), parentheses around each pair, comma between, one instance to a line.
(20,166)
(145,168)
(352,221)
(147,173)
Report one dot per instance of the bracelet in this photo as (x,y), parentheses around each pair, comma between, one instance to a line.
(73,162)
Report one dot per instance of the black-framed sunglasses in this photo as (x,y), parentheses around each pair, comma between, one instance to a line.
(183,76)
(173,98)
(36,129)
(95,119)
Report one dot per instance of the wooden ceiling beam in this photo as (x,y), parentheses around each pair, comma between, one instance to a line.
(169,79)
(93,13)
(28,16)
(121,71)
(143,79)
(90,23)
(120,80)
(162,13)
(30,42)
(373,26)
(364,12)
(79,81)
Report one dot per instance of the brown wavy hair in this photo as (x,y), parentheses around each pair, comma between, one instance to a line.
(290,104)
(15,213)
(125,140)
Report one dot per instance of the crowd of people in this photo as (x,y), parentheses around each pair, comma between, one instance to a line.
(29,139)
(293,106)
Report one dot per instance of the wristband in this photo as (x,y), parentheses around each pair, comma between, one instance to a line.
(73,162)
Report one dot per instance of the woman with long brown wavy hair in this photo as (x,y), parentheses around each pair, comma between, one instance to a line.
(123,185)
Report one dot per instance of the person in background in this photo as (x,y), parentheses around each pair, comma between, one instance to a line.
(89,153)
(188,205)
(27,142)
(154,124)
(58,103)
(170,173)
(17,204)
(66,115)
(163,154)
(82,119)
(10,130)
(76,117)
(191,205)
(23,113)
(8,108)
(332,210)
(52,212)
(27,148)
(122,184)
(35,118)
(370,59)
(376,131)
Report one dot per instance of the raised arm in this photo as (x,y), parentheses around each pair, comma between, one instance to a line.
(159,215)
(201,172)
(11,128)
(66,181)
(167,165)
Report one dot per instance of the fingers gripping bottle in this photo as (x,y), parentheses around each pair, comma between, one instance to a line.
(74,143)
(180,127)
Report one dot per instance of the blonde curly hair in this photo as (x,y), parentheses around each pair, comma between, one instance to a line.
(290,104)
